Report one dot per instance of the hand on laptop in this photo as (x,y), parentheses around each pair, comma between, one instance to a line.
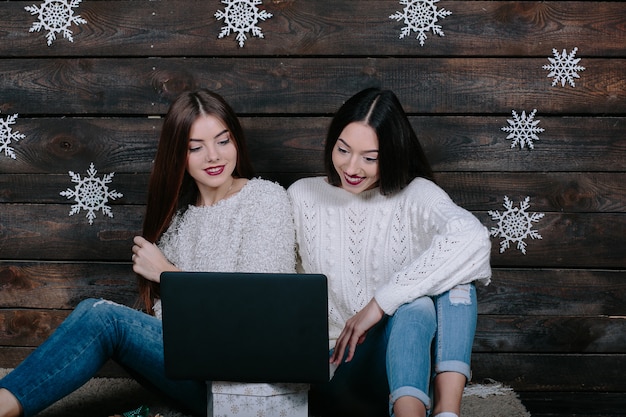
(355,331)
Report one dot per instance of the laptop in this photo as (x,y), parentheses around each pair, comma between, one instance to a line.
(245,327)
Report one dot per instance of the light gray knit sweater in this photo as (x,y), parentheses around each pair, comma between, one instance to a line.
(393,248)
(251,231)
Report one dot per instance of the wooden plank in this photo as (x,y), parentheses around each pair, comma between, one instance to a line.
(593,323)
(28,327)
(559,191)
(494,334)
(477,143)
(45,232)
(553,372)
(580,404)
(560,292)
(295,145)
(554,292)
(11,356)
(135,86)
(58,145)
(568,240)
(46,188)
(550,334)
(513,292)
(548,373)
(363,27)
(62,285)
(548,192)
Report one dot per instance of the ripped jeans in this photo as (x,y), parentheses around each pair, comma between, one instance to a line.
(396,358)
(96,331)
(457,312)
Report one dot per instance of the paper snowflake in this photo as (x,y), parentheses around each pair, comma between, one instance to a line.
(7,135)
(523,130)
(55,16)
(241,16)
(564,67)
(515,224)
(420,16)
(91,193)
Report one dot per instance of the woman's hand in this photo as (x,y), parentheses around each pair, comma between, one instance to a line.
(148,260)
(355,331)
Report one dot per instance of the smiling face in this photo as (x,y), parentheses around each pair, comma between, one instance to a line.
(355,158)
(212,155)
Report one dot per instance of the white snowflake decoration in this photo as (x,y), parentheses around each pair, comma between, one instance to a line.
(523,130)
(515,224)
(55,16)
(91,193)
(420,16)
(241,16)
(564,67)
(7,135)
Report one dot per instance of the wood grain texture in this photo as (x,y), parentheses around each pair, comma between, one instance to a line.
(32,231)
(261,85)
(39,285)
(551,323)
(558,372)
(294,144)
(523,292)
(581,404)
(353,27)
(495,334)
(477,191)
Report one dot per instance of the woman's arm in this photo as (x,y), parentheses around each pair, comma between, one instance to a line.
(458,253)
(149,261)
(355,331)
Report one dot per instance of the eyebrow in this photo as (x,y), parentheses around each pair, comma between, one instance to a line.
(345,143)
(214,137)
(220,134)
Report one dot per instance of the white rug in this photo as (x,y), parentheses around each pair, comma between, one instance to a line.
(101,397)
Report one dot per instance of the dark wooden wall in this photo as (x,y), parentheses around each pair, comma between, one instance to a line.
(553,322)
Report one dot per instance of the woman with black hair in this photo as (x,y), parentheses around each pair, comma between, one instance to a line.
(401,260)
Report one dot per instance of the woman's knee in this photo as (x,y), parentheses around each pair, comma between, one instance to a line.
(96,309)
(85,306)
(421,310)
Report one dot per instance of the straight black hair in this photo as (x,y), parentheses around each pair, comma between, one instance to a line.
(400,155)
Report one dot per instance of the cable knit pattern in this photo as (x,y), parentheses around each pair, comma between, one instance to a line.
(394,248)
(251,231)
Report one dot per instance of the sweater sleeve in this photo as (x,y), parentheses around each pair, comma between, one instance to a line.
(458,253)
(269,241)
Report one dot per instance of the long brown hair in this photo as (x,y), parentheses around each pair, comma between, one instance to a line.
(171,188)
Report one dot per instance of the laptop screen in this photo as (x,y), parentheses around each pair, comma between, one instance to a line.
(245,327)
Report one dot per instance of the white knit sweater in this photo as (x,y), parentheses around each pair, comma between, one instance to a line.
(251,231)
(391,248)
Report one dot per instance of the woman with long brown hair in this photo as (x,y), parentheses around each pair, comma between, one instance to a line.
(205,212)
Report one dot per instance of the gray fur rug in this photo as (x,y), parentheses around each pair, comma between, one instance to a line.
(102,397)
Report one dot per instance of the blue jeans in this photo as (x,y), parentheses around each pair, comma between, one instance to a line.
(395,358)
(98,330)
(457,312)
